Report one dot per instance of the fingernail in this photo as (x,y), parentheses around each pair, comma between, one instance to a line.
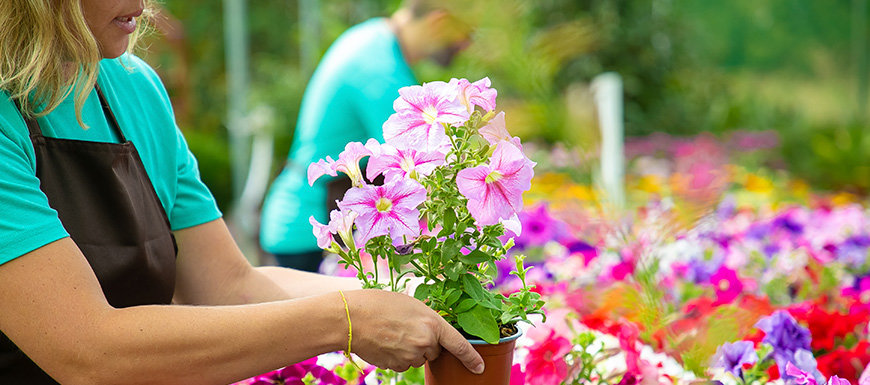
(478,369)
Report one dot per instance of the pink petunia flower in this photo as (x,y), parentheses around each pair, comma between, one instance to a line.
(321,232)
(496,131)
(477,93)
(388,209)
(495,191)
(320,168)
(395,163)
(341,223)
(420,113)
(347,163)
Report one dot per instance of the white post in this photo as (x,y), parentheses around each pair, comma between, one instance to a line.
(607,90)
(236,55)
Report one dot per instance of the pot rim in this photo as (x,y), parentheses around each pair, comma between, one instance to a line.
(502,340)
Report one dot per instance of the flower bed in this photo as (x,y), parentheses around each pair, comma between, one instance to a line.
(720,272)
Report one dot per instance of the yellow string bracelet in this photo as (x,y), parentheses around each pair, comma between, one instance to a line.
(349,333)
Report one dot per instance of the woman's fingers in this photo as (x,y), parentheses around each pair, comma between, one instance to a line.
(455,343)
(398,331)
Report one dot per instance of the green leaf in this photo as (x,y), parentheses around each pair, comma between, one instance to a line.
(464,305)
(401,260)
(450,249)
(476,291)
(454,269)
(452,296)
(449,219)
(474,257)
(473,287)
(479,322)
(422,292)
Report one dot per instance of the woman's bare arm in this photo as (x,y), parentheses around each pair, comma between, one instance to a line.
(55,311)
(212,270)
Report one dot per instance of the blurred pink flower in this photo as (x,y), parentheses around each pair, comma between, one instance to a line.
(545,363)
(518,376)
(477,93)
(495,191)
(388,209)
(726,284)
(420,113)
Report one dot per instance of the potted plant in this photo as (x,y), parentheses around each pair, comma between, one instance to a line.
(453,185)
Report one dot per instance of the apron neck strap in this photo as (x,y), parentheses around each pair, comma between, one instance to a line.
(36,131)
(32,125)
(110,116)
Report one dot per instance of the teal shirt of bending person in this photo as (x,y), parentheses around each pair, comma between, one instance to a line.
(348,99)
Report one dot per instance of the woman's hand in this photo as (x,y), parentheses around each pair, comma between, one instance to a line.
(395,331)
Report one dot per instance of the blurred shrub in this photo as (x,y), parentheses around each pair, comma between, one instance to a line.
(833,156)
(678,58)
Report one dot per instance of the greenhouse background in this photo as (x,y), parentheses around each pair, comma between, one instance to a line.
(745,116)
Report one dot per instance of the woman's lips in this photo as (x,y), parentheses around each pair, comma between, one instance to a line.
(127,23)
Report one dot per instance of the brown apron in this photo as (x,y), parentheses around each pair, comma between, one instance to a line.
(108,205)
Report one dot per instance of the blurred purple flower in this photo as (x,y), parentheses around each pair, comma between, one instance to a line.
(732,356)
(854,250)
(538,227)
(788,223)
(587,251)
(786,337)
(799,376)
(758,231)
(770,250)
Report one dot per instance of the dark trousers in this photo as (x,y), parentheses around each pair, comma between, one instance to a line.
(307,261)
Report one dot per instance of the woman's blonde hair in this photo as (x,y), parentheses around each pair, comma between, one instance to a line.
(47,52)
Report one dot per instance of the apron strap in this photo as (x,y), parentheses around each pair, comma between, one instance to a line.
(36,131)
(32,124)
(110,116)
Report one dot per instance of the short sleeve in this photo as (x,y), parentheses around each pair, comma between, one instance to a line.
(194,203)
(27,222)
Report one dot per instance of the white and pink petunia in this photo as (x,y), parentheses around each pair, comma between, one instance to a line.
(320,168)
(475,94)
(347,163)
(390,209)
(496,131)
(396,163)
(495,191)
(321,232)
(420,113)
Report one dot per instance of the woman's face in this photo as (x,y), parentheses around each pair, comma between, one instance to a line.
(112,22)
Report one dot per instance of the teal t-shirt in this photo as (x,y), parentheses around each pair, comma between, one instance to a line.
(348,99)
(140,103)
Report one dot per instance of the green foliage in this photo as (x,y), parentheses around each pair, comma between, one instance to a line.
(831,156)
(688,67)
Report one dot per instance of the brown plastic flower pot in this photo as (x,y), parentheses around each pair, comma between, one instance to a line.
(498,358)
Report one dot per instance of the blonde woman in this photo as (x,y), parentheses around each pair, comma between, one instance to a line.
(115,265)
